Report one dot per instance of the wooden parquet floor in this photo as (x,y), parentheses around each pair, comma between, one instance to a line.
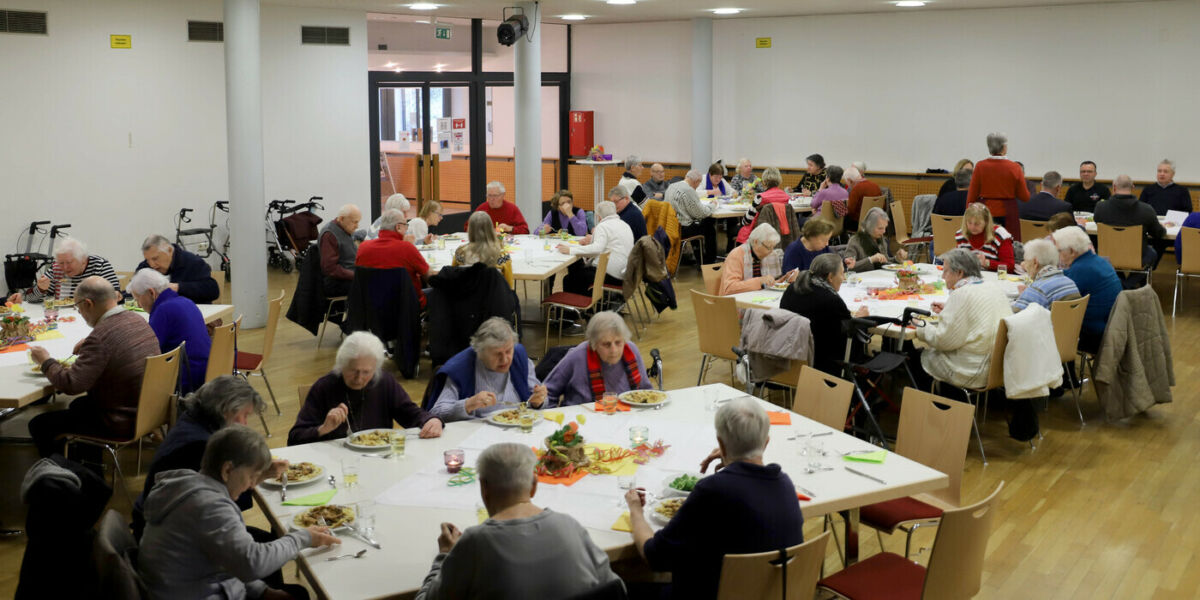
(1106,511)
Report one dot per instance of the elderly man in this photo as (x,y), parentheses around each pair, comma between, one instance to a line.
(1164,194)
(1049,284)
(1085,195)
(695,217)
(521,550)
(1045,203)
(356,395)
(607,363)
(656,186)
(390,250)
(999,183)
(189,275)
(504,214)
(72,265)
(492,371)
(338,250)
(611,235)
(394,202)
(631,179)
(1122,209)
(860,187)
(175,321)
(1094,276)
(954,203)
(109,366)
(631,214)
(745,507)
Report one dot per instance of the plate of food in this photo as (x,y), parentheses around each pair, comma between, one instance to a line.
(681,485)
(336,516)
(66,362)
(505,418)
(780,286)
(664,510)
(370,439)
(644,398)
(300,473)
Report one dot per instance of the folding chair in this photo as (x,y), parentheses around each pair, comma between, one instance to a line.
(1032,230)
(1122,246)
(787,574)
(1067,318)
(944,228)
(1189,262)
(571,301)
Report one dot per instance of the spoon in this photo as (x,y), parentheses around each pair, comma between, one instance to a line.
(811,470)
(358,554)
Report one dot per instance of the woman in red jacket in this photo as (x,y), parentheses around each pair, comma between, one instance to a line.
(991,243)
(999,183)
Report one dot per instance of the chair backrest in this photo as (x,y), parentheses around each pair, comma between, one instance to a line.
(112,548)
(1122,246)
(996,363)
(598,282)
(221,355)
(869,202)
(712,278)
(823,398)
(899,220)
(1189,261)
(935,432)
(956,563)
(1032,230)
(829,216)
(273,308)
(722,330)
(1067,318)
(123,278)
(760,575)
(944,227)
(158,388)
(219,277)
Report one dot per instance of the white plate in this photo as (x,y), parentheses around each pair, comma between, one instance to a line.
(655,516)
(344,527)
(623,395)
(669,491)
(350,444)
(492,419)
(318,477)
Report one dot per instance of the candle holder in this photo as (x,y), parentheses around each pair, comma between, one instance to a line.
(454,460)
(638,435)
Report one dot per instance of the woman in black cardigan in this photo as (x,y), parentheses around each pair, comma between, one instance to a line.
(814,295)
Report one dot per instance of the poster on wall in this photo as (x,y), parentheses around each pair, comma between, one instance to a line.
(459,136)
(487,114)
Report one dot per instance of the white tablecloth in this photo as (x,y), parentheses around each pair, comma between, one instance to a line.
(531,259)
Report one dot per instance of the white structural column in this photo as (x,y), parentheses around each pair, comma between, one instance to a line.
(702,90)
(243,122)
(527,81)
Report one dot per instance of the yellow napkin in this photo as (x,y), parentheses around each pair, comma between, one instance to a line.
(623,523)
(625,466)
(50,335)
(553,415)
(318,499)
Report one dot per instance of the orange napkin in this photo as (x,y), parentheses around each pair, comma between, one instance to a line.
(576,476)
(17,348)
(621,407)
(800,497)
(779,418)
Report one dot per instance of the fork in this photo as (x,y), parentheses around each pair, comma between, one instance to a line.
(358,554)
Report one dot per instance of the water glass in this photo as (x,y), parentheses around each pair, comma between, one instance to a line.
(526,421)
(711,399)
(350,472)
(1002,271)
(454,460)
(398,439)
(815,449)
(441,243)
(638,435)
(609,402)
(364,516)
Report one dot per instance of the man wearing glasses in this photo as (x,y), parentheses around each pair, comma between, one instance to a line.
(504,214)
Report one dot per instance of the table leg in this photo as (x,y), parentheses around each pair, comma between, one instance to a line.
(850,518)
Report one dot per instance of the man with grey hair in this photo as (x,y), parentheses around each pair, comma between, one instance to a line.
(1045,204)
(860,188)
(394,202)
(521,550)
(176,321)
(504,214)
(695,217)
(1095,278)
(190,275)
(392,249)
(744,507)
(1123,210)
(656,186)
(610,235)
(608,362)
(1164,194)
(629,212)
(999,183)
(338,250)
(631,180)
(72,265)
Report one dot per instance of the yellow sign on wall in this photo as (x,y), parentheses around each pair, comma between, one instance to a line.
(120,41)
(762,42)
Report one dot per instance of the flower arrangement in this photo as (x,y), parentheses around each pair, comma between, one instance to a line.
(748,189)
(908,280)
(14,325)
(597,153)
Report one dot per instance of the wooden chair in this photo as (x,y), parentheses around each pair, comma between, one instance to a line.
(789,574)
(955,568)
(571,301)
(1032,230)
(1189,261)
(1122,246)
(123,278)
(247,364)
(153,411)
(1067,319)
(829,216)
(869,202)
(223,353)
(904,228)
(712,278)
(944,228)
(721,330)
(935,432)
(995,380)
(696,243)
(219,277)
(826,399)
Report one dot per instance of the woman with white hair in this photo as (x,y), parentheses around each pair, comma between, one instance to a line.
(175,320)
(394,202)
(1094,276)
(611,235)
(744,176)
(72,264)
(870,247)
(356,395)
(999,183)
(483,246)
(493,371)
(521,550)
(606,363)
(745,507)
(755,265)
(1049,283)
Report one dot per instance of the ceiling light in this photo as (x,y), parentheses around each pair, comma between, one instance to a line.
(622,1)
(573,17)
(423,6)
(397,70)
(910,3)
(726,11)
(422,21)
(389,65)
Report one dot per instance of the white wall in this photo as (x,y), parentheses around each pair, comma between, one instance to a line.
(1114,83)
(504,124)
(117,141)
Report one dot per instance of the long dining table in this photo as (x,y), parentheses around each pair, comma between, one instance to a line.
(413,494)
(534,258)
(728,208)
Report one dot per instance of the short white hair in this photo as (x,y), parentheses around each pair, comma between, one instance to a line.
(853,175)
(507,468)
(605,323)
(358,345)
(147,279)
(764,233)
(617,192)
(962,261)
(1169,163)
(1123,182)
(1043,251)
(996,143)
(742,427)
(742,161)
(493,333)
(348,209)
(397,202)
(156,241)
(390,219)
(694,175)
(860,165)
(605,209)
(631,160)
(496,186)
(1073,239)
(70,246)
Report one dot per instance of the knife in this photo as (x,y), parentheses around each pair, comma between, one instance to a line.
(283,487)
(362,536)
(871,477)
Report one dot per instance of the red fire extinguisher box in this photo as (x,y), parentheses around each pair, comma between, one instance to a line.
(582,134)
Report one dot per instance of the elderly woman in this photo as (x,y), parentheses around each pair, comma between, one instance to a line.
(358,395)
(745,507)
(960,343)
(951,182)
(72,264)
(521,550)
(1094,276)
(814,177)
(813,242)
(991,243)
(606,363)
(744,175)
(714,185)
(175,320)
(394,202)
(755,265)
(430,216)
(1049,283)
(832,191)
(870,247)
(815,295)
(483,246)
(564,216)
(196,544)
(999,183)
(492,372)
(771,179)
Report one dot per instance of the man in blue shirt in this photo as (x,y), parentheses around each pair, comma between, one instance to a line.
(1095,277)
(631,214)
(1045,204)
(190,276)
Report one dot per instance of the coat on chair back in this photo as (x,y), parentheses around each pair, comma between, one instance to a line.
(462,298)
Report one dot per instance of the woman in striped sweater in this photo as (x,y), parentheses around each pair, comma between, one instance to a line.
(72,264)
(991,243)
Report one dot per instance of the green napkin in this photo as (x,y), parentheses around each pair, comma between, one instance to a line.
(318,499)
(762,299)
(867,457)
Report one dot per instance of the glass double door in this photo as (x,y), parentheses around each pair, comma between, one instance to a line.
(424,143)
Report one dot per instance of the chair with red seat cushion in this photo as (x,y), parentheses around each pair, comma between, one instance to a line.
(577,302)
(248,363)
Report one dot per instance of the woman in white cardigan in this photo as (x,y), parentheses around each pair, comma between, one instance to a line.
(960,343)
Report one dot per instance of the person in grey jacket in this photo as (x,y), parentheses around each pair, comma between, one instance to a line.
(196,544)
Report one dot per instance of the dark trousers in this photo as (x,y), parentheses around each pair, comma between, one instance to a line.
(580,277)
(708,229)
(336,287)
(733,225)
(82,417)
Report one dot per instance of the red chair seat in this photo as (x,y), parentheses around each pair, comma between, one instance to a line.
(568,299)
(247,361)
(884,575)
(885,516)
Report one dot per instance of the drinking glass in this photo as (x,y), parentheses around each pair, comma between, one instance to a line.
(454,460)
(609,402)
(1002,271)
(398,439)
(526,421)
(638,435)
(364,516)
(625,483)
(710,399)
(350,472)
(815,450)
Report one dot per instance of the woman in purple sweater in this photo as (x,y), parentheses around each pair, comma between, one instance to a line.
(606,363)
(175,320)
(564,215)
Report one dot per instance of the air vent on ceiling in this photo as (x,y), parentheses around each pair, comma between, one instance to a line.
(206,31)
(339,36)
(22,21)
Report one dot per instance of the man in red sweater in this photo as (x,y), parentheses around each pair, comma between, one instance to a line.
(999,183)
(860,187)
(391,251)
(504,214)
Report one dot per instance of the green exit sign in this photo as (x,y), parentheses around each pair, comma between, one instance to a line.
(441,32)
